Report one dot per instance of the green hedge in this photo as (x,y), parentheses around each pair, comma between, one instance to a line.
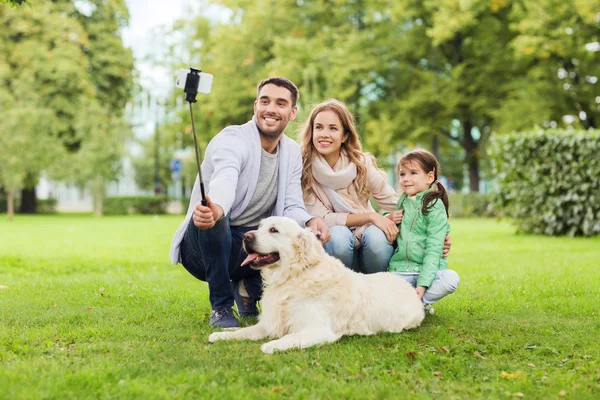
(549,181)
(465,205)
(135,205)
(46,206)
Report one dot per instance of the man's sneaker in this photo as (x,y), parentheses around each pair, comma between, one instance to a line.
(429,309)
(223,319)
(246,306)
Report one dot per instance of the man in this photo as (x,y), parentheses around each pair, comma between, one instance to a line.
(250,172)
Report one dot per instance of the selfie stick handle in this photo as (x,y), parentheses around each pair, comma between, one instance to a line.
(204,203)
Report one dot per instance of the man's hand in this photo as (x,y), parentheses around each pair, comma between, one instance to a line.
(320,228)
(205,217)
(447,244)
(421,292)
(396,216)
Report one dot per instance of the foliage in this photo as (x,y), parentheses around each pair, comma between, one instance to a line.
(144,164)
(409,70)
(23,150)
(550,180)
(47,206)
(557,66)
(92,308)
(72,67)
(124,205)
(14,3)
(111,66)
(3,203)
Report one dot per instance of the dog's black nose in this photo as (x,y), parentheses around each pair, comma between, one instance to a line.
(249,240)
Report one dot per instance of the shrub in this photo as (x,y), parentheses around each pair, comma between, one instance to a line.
(135,205)
(472,205)
(549,181)
(46,206)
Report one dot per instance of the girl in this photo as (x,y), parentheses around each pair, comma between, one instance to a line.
(337,180)
(418,257)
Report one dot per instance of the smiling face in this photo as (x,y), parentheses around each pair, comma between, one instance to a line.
(273,110)
(413,179)
(328,135)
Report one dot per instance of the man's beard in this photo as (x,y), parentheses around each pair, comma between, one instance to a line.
(271,135)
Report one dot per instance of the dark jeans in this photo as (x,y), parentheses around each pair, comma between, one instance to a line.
(214,255)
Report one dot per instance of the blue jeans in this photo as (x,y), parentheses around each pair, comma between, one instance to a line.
(214,255)
(372,256)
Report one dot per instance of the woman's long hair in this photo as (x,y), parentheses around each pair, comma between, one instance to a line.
(352,146)
(428,163)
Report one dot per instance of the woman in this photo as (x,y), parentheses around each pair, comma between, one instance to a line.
(338,179)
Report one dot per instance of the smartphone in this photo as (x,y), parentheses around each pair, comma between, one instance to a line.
(204,84)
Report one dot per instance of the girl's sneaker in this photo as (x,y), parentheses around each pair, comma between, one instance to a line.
(429,309)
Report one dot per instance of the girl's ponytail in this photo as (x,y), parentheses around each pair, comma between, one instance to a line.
(438,192)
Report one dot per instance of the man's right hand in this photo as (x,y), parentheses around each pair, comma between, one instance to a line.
(205,217)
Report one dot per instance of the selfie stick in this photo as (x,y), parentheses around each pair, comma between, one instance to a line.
(191,90)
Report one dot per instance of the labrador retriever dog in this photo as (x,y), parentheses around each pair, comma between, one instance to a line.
(310,298)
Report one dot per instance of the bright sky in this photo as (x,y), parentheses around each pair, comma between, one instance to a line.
(146,18)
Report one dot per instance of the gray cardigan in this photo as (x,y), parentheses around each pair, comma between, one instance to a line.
(230,171)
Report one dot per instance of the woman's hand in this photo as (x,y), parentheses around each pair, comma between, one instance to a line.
(421,292)
(386,225)
(396,216)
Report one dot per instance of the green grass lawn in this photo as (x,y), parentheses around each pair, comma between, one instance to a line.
(92,308)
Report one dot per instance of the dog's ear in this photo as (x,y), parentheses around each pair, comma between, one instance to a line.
(308,249)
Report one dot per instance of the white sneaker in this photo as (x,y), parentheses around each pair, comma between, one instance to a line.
(429,309)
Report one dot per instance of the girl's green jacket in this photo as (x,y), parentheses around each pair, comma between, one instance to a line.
(421,239)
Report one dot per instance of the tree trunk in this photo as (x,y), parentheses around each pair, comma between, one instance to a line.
(98,192)
(472,156)
(28,201)
(435,145)
(473,165)
(10,203)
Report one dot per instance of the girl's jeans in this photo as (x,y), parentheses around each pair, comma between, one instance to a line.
(372,256)
(445,283)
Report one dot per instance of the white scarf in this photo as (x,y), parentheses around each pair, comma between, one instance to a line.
(332,180)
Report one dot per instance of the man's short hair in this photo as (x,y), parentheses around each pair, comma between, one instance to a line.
(281,82)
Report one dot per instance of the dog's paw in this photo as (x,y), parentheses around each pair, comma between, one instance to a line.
(217,336)
(268,348)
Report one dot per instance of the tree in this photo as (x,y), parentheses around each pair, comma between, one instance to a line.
(23,148)
(72,63)
(99,159)
(144,165)
(441,74)
(42,67)
(558,59)
(384,62)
